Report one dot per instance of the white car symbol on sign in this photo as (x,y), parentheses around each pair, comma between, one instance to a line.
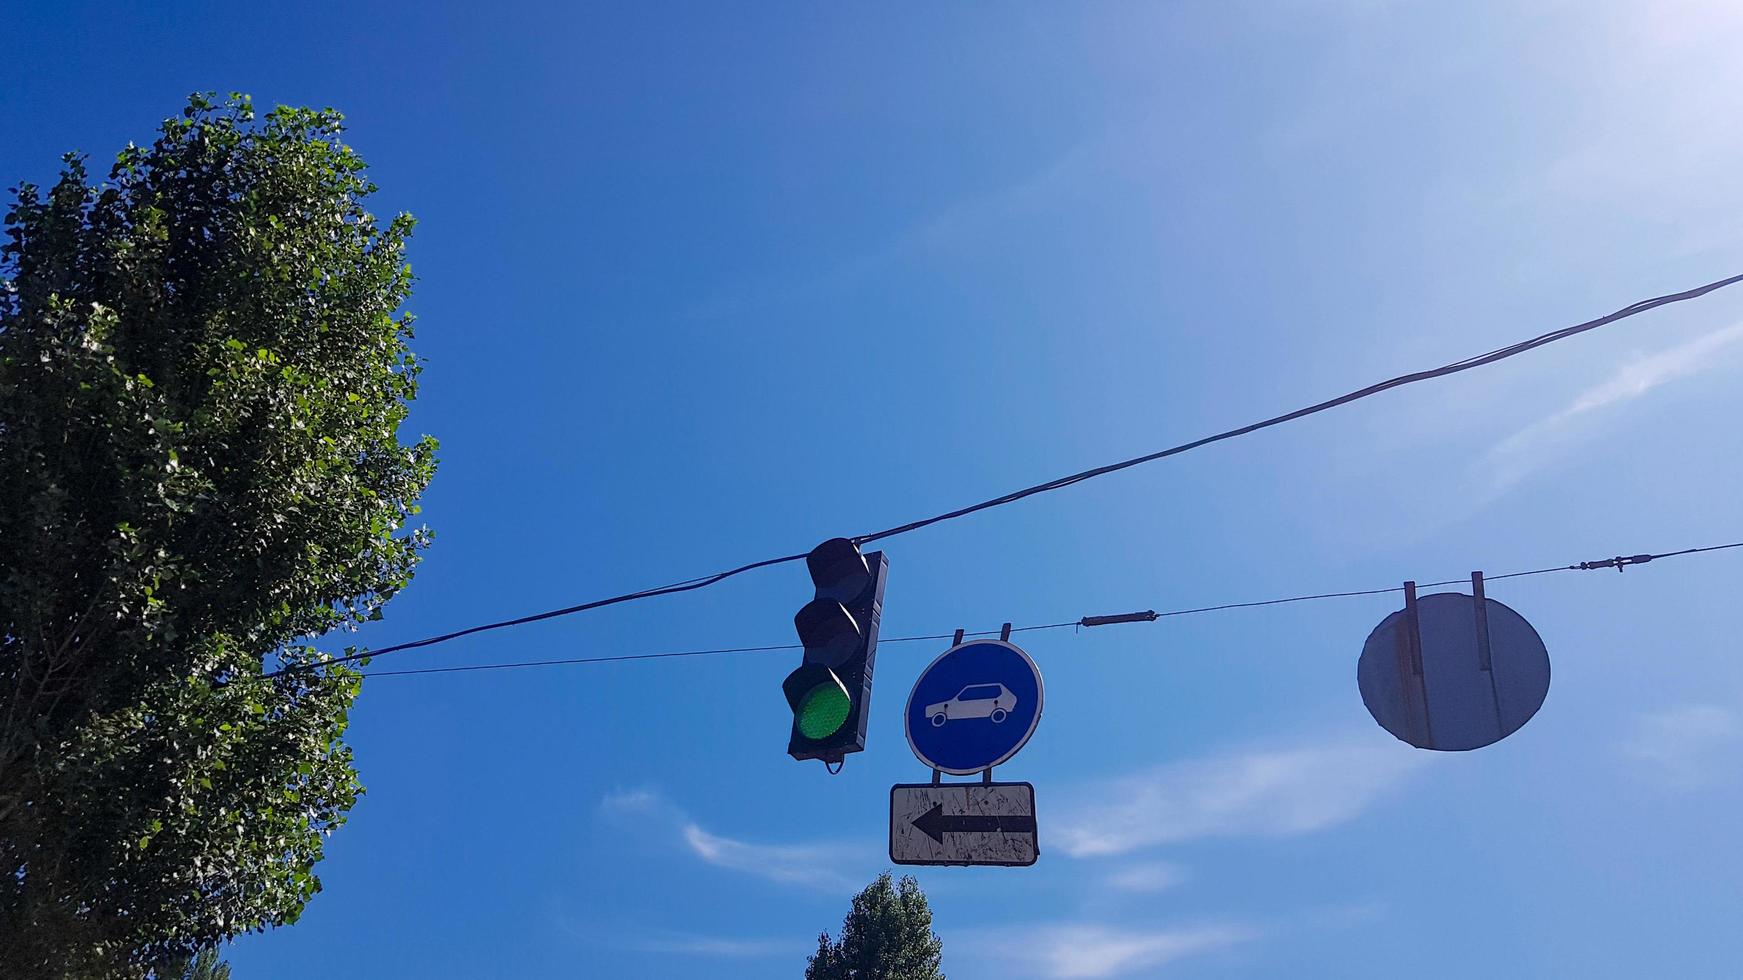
(991,701)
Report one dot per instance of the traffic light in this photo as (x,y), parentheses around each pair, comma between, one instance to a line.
(830,692)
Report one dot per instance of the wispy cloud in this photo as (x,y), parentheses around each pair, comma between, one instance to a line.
(641,802)
(812,865)
(795,864)
(669,943)
(1690,746)
(1153,876)
(1092,949)
(718,946)
(957,226)
(1089,950)
(1516,455)
(1640,143)
(1276,793)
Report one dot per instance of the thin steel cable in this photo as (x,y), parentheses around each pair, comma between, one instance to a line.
(1588,566)
(1498,354)
(1274,602)
(1696,551)
(1025,629)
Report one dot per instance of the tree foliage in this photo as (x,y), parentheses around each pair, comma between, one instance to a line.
(203,372)
(205,966)
(887,935)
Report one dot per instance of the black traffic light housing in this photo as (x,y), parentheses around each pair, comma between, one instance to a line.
(830,693)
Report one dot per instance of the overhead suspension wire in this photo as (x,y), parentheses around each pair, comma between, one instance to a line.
(701,582)
(1619,563)
(1499,354)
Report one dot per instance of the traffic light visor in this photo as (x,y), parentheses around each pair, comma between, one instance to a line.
(828,631)
(838,569)
(819,701)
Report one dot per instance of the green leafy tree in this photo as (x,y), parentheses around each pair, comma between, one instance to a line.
(203,372)
(887,935)
(205,966)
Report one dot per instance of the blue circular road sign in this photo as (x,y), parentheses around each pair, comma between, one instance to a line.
(974,707)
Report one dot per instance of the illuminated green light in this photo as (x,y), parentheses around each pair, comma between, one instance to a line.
(823,710)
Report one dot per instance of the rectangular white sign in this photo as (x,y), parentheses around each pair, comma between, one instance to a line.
(963,823)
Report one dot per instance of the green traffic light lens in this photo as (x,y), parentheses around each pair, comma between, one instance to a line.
(823,711)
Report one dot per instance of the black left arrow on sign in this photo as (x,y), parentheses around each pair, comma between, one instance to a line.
(934,824)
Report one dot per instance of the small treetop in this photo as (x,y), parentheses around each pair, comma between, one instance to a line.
(887,935)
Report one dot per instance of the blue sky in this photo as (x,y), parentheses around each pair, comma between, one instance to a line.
(701,284)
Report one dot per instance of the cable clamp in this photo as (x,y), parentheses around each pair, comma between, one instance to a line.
(1618,563)
(1147,616)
